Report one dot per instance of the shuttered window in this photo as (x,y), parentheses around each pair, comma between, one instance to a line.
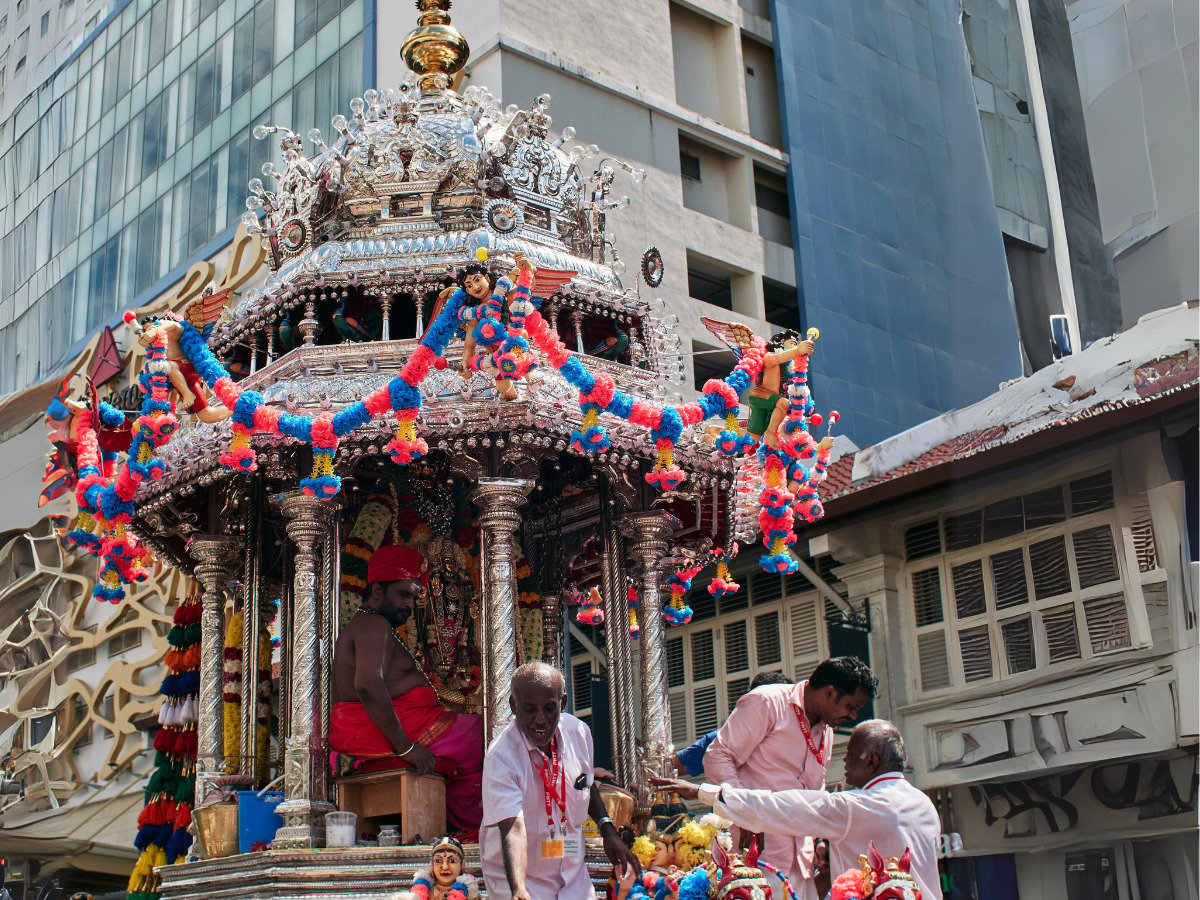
(935,666)
(1048,562)
(1095,557)
(1142,530)
(775,626)
(1062,634)
(969,597)
(1008,578)
(767,640)
(927,596)
(706,714)
(1002,600)
(1018,644)
(975,647)
(923,540)
(1107,623)
(737,650)
(1091,494)
(704,661)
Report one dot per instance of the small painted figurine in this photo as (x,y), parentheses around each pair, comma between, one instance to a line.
(445,878)
(185,380)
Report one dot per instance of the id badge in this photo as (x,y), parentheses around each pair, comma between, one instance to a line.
(572,846)
(552,848)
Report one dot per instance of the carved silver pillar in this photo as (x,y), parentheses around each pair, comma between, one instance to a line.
(577,321)
(250,635)
(305,748)
(647,534)
(622,694)
(498,500)
(215,556)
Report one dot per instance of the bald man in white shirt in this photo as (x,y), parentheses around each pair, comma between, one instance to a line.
(882,807)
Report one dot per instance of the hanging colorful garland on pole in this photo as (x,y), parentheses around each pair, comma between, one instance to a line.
(162,835)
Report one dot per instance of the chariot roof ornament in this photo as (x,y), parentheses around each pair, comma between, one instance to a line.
(435,49)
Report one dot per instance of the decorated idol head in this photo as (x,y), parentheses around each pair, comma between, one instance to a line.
(446,862)
(445,878)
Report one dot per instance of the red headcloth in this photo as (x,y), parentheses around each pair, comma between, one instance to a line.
(395,562)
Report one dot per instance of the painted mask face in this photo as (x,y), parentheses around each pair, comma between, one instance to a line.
(477,285)
(446,866)
(664,853)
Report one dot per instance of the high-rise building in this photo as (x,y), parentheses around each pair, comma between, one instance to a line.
(131,159)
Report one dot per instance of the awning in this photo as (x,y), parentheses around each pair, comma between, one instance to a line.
(95,833)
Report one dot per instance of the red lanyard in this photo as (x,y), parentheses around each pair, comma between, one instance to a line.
(816,751)
(551,773)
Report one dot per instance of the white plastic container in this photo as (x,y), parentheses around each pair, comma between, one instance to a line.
(341,829)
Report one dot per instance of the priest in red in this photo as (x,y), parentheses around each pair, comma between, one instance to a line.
(384,706)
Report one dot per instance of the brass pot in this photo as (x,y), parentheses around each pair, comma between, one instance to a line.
(216,830)
(618,803)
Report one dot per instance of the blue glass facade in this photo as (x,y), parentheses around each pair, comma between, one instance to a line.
(132,159)
(899,255)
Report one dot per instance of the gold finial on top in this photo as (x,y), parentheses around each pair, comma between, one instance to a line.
(435,48)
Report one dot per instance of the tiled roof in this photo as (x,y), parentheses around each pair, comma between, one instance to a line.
(1149,364)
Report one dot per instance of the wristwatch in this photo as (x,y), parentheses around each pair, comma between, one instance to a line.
(602,820)
(710,794)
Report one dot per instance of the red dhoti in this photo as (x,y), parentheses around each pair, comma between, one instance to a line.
(454,738)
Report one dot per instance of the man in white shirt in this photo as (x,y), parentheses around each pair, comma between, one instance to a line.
(538,787)
(883,808)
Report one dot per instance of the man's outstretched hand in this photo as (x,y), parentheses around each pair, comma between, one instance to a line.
(618,851)
(686,790)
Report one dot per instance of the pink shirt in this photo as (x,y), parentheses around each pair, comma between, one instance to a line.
(886,810)
(512,788)
(761,745)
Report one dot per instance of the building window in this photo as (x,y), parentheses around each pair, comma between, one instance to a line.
(124,639)
(710,362)
(20,67)
(773,624)
(1023,583)
(771,203)
(689,166)
(45,24)
(22,7)
(80,710)
(3,24)
(782,304)
(708,282)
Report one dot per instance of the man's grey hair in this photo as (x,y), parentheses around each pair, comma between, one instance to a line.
(882,738)
(538,672)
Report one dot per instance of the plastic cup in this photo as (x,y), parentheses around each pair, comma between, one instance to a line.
(341,829)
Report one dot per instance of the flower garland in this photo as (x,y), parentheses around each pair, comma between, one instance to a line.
(162,835)
(464,887)
(695,885)
(529,613)
(106,509)
(599,393)
(677,611)
(234,694)
(723,584)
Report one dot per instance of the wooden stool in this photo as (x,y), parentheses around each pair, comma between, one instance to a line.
(419,801)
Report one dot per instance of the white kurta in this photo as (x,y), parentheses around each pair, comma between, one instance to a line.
(512,788)
(887,810)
